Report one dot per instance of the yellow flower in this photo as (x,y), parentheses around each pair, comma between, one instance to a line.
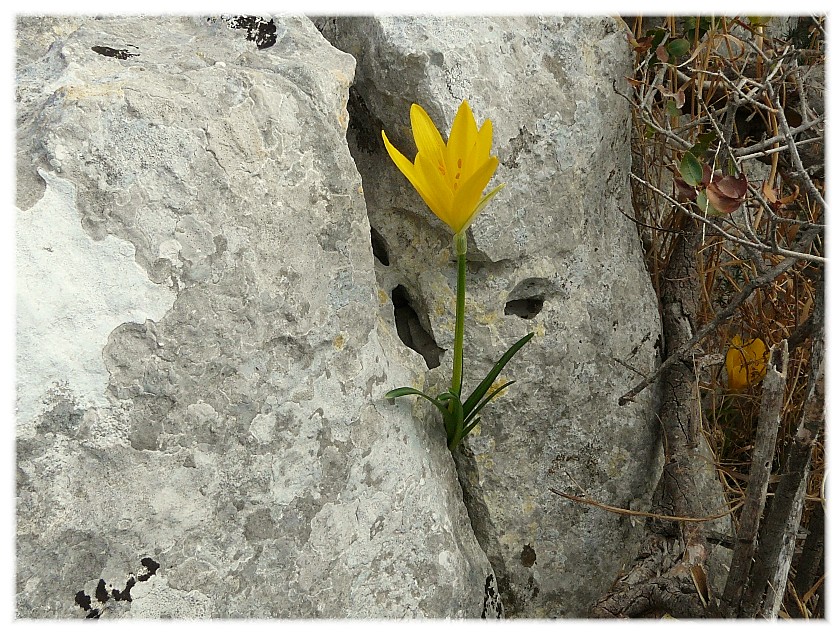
(746,363)
(450,177)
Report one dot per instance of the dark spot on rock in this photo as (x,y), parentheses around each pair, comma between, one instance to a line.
(101,593)
(528,556)
(151,567)
(63,417)
(380,248)
(259,526)
(83,600)
(493,608)
(411,330)
(263,33)
(364,127)
(125,594)
(118,53)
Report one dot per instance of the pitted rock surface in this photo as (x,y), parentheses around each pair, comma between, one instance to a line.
(207,392)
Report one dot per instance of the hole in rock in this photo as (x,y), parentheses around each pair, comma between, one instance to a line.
(411,330)
(527,299)
(380,249)
(526,308)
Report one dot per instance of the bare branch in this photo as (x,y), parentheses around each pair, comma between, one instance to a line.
(758,149)
(797,161)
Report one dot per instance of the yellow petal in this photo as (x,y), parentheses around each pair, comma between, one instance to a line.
(468,195)
(480,151)
(414,175)
(482,142)
(481,205)
(437,194)
(427,138)
(460,145)
(402,163)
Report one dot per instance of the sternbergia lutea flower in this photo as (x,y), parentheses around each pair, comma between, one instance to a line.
(450,177)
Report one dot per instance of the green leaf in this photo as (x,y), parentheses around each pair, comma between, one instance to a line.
(454,420)
(453,416)
(678,47)
(469,427)
(485,385)
(490,397)
(410,391)
(691,170)
(671,108)
(731,168)
(705,206)
(702,145)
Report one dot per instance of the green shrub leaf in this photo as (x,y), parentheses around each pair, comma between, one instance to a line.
(691,170)
(678,47)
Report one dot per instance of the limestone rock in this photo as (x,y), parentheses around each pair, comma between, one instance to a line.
(554,253)
(203,346)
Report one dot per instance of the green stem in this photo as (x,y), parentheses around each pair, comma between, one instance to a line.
(460,307)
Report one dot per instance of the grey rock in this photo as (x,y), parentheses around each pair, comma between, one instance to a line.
(202,344)
(554,254)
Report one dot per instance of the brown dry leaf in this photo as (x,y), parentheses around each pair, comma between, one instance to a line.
(723,204)
(726,193)
(698,576)
(805,311)
(789,199)
(732,187)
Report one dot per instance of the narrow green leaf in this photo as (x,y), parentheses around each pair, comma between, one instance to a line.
(410,391)
(691,170)
(469,427)
(731,167)
(485,385)
(402,391)
(490,396)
